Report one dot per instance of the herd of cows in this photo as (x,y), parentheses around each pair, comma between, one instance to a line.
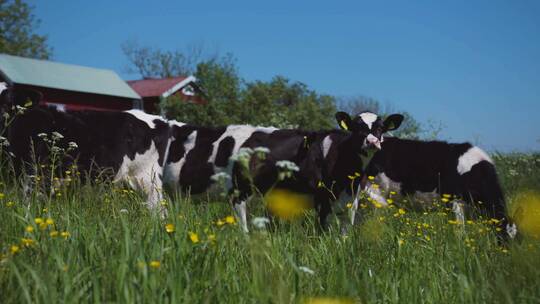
(148,152)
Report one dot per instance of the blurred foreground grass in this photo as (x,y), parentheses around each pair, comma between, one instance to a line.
(98,243)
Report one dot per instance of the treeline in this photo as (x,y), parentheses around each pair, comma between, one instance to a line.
(279,102)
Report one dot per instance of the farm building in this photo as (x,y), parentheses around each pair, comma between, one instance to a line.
(153,90)
(69,87)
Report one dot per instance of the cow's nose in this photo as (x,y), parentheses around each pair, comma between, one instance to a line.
(373,141)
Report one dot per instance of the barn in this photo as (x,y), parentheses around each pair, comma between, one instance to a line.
(69,87)
(152,90)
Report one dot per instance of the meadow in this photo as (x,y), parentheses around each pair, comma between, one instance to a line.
(98,243)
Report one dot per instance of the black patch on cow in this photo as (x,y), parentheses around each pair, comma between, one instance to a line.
(224,151)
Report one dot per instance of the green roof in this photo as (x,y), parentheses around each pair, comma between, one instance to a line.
(55,75)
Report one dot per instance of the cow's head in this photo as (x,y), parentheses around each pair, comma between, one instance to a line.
(369,127)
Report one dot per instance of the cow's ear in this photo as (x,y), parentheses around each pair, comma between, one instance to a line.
(344,120)
(393,122)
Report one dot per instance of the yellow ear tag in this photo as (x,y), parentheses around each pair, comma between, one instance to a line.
(343,125)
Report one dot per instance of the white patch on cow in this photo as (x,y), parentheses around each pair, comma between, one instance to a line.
(145,117)
(470,158)
(375,194)
(457,208)
(368,118)
(240,133)
(387,183)
(176,123)
(511,230)
(326,144)
(241,212)
(174,170)
(143,173)
(3,86)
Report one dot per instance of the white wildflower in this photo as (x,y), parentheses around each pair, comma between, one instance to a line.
(42,135)
(306,270)
(260,222)
(57,135)
(72,145)
(221,176)
(287,165)
(263,150)
(3,141)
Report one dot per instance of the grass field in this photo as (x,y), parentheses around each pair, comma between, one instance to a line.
(99,244)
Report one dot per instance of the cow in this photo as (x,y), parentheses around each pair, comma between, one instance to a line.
(432,168)
(197,154)
(129,146)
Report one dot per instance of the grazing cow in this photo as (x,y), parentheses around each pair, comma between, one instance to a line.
(131,145)
(326,157)
(413,167)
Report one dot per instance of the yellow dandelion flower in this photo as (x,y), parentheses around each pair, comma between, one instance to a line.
(349,205)
(400,242)
(155,264)
(381,218)
(10,204)
(49,221)
(393,193)
(452,222)
(38,220)
(377,205)
(27,242)
(446,195)
(401,211)
(29,229)
(363,206)
(194,237)
(212,237)
(470,222)
(287,204)
(169,228)
(351,177)
(230,219)
(320,184)
(14,249)
(375,186)
(371,178)
(53,233)
(390,201)
(427,238)
(220,222)
(357,174)
(494,221)
(444,200)
(65,234)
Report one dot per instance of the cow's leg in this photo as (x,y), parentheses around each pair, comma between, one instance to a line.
(241,212)
(153,187)
(322,203)
(459,212)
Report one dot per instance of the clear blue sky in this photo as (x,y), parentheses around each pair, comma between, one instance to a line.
(473,66)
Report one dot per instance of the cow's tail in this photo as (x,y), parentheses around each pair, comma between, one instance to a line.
(484,187)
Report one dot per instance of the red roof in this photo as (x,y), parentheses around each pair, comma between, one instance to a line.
(154,87)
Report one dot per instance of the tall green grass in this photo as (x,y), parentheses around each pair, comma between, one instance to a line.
(104,246)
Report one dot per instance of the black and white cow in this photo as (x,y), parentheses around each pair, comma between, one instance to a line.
(199,153)
(432,168)
(131,145)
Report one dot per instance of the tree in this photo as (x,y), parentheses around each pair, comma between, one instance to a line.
(151,62)
(17,37)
